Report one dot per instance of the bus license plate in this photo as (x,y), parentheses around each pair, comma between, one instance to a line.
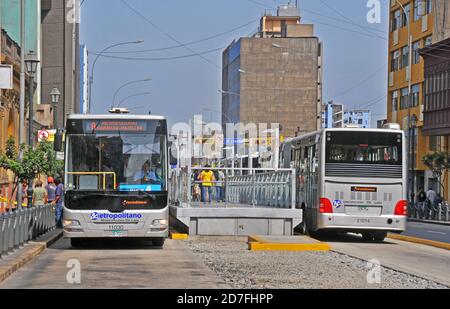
(116,233)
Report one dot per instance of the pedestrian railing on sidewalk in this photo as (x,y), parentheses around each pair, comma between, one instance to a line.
(22,225)
(425,211)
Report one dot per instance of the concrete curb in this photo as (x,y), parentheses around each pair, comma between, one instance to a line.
(257,243)
(427,242)
(429,221)
(178,236)
(27,254)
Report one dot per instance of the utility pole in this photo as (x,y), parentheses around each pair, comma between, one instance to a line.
(22,94)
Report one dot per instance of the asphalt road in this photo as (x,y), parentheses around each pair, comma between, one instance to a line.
(415,259)
(116,265)
(428,231)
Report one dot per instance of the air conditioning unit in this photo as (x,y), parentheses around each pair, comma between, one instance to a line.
(119,110)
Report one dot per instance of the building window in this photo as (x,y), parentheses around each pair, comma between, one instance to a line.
(418,12)
(404,98)
(435,143)
(416,56)
(394,100)
(428,6)
(395,56)
(405,16)
(428,41)
(405,57)
(415,95)
(395,20)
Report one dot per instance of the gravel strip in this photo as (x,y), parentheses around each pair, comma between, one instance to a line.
(244,269)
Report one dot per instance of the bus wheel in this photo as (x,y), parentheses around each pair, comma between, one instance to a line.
(368,236)
(158,242)
(304,227)
(76,242)
(380,236)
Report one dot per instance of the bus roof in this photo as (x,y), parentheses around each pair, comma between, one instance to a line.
(293,139)
(114,117)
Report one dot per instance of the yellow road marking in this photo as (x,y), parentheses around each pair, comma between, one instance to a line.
(427,242)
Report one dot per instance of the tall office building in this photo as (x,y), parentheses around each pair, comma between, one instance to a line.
(427,21)
(274,76)
(60,56)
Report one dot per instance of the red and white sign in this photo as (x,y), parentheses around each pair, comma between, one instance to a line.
(43,135)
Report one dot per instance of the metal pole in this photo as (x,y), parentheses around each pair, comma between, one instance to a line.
(55,118)
(30,134)
(408,78)
(22,94)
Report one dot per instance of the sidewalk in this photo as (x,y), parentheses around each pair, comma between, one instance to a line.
(19,257)
(429,221)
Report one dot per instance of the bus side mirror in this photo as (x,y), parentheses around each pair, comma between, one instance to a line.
(58,144)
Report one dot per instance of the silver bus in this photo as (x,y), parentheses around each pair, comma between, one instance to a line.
(350,180)
(116,178)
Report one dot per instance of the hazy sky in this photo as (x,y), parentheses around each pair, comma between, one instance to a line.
(355,60)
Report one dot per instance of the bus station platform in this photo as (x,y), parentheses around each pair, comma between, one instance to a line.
(216,219)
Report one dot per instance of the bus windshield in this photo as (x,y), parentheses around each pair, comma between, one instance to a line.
(364,147)
(116,162)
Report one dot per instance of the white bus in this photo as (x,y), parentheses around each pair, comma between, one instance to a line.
(350,180)
(116,178)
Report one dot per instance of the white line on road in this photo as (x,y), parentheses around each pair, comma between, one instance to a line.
(434,232)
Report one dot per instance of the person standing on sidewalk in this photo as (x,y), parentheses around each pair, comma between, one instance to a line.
(39,194)
(432,198)
(59,202)
(51,190)
(421,202)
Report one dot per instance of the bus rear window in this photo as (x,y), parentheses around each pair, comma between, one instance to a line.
(364,147)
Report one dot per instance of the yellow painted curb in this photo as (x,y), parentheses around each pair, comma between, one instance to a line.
(427,242)
(178,236)
(256,243)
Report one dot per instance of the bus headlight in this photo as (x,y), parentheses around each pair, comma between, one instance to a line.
(160,222)
(71,223)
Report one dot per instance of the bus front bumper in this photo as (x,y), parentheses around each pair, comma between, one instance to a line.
(90,224)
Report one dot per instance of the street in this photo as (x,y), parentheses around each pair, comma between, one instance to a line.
(419,260)
(429,231)
(117,265)
(215,262)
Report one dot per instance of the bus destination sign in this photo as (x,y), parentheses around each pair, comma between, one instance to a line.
(116,125)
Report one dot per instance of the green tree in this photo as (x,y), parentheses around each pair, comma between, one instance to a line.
(35,162)
(439,163)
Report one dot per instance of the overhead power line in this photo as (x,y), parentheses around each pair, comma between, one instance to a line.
(167,34)
(185,44)
(195,54)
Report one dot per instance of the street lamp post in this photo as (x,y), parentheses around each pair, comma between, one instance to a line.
(55,95)
(91,78)
(125,85)
(412,136)
(132,96)
(408,77)
(31,62)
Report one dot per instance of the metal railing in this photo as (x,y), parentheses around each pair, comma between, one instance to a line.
(239,186)
(427,211)
(22,225)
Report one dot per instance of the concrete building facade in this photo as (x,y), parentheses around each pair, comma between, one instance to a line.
(437,104)
(428,21)
(275,75)
(60,56)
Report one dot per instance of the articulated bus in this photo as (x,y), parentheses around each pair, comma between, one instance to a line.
(116,178)
(350,180)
